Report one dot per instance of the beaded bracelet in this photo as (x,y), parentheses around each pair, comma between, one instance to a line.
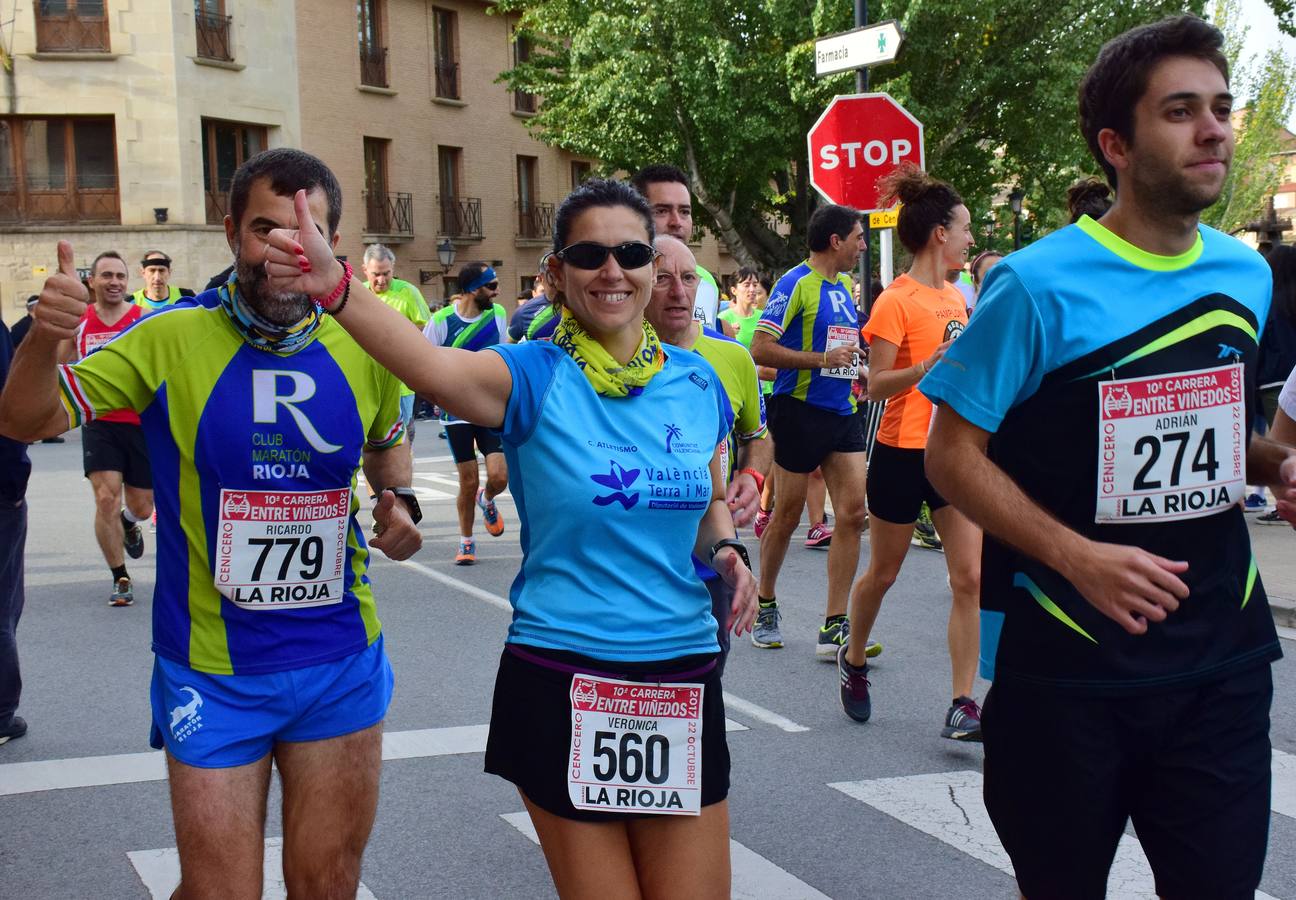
(342,290)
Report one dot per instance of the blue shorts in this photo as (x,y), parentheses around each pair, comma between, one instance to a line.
(222,721)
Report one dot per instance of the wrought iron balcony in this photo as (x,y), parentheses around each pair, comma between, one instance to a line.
(373,66)
(214,36)
(535,221)
(391,214)
(461,217)
(447,79)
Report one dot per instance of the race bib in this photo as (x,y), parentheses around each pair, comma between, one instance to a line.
(1171,447)
(93,341)
(282,549)
(842,336)
(635,747)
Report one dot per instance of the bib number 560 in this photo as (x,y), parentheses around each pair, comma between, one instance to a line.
(624,760)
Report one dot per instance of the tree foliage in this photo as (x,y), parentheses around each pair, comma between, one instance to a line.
(1265,89)
(726,89)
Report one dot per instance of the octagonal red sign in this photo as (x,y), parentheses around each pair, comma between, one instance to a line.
(859,138)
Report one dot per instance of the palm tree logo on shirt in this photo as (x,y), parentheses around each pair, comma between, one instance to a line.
(617,479)
(672,432)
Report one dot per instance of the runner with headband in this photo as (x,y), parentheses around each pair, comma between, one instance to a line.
(608,713)
(912,323)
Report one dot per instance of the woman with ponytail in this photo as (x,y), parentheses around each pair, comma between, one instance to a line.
(912,323)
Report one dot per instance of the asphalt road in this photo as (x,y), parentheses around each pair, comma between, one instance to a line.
(820,806)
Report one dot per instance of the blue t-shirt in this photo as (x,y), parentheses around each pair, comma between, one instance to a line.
(610,492)
(1117,387)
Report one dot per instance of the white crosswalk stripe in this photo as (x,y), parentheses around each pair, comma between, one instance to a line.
(949,807)
(754,876)
(160,872)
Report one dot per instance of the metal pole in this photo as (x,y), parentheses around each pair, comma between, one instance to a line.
(865,269)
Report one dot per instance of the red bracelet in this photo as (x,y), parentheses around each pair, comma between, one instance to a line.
(342,285)
(756,477)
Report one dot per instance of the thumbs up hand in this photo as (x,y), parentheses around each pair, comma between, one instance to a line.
(62,301)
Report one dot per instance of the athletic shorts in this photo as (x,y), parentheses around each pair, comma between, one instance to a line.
(1063,775)
(531,724)
(722,597)
(804,435)
(221,721)
(117,447)
(897,485)
(462,436)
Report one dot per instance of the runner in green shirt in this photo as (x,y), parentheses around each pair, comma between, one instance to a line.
(407,300)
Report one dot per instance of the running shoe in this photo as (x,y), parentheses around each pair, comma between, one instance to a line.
(831,636)
(872,649)
(854,688)
(1254,503)
(925,533)
(1271,518)
(494,521)
(819,537)
(123,594)
(963,721)
(132,537)
(765,633)
(467,554)
(761,523)
(153,521)
(16,728)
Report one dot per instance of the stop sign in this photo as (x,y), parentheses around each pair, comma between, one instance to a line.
(859,138)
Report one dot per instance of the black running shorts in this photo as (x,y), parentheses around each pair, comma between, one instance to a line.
(462,436)
(804,435)
(531,726)
(117,447)
(1190,767)
(897,484)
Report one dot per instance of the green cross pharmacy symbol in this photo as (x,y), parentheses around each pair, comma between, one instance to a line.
(882,42)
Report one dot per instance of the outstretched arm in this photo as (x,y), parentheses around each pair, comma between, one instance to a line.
(472,386)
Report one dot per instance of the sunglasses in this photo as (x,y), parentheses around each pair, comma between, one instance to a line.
(589,255)
(494,285)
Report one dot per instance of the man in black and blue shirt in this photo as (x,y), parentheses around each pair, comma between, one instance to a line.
(1095,420)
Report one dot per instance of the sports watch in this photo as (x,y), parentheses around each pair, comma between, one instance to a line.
(411,501)
(739,547)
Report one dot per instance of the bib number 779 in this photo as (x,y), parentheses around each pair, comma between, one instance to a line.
(311,556)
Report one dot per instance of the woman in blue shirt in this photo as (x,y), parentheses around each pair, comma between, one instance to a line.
(608,713)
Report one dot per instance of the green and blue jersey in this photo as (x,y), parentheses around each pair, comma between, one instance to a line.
(808,313)
(1117,386)
(261,560)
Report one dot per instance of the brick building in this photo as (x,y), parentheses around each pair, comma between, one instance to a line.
(122,121)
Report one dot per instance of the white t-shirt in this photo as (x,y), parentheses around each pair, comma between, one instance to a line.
(1287,399)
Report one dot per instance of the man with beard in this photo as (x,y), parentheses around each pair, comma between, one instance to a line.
(471,322)
(258,410)
(1095,420)
(747,452)
(113,449)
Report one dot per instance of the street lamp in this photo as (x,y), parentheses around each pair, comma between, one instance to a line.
(446,254)
(1015,201)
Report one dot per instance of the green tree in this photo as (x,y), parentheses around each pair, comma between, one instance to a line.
(1264,87)
(726,89)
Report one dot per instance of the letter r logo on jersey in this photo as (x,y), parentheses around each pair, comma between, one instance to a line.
(266,401)
(842,305)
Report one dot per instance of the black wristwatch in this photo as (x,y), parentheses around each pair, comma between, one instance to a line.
(411,501)
(739,547)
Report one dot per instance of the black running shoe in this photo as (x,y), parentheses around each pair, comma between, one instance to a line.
(963,721)
(854,688)
(133,538)
(16,728)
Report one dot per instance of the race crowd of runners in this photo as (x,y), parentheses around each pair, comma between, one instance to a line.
(1072,424)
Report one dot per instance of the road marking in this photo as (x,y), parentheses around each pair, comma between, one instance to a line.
(160,872)
(949,807)
(762,714)
(1283,797)
(754,876)
(135,768)
(1286,633)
